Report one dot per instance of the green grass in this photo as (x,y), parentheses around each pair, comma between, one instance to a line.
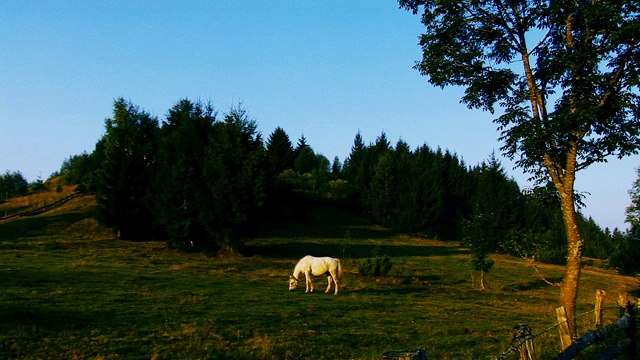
(70,290)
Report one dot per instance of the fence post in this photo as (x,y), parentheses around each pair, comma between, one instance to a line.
(623,302)
(600,294)
(565,334)
(524,338)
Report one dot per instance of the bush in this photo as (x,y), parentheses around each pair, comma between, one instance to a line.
(378,266)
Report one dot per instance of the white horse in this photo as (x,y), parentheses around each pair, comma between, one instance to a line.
(316,266)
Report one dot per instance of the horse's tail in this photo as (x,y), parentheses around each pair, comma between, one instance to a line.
(339,268)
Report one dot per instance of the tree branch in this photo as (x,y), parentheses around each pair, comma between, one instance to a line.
(534,264)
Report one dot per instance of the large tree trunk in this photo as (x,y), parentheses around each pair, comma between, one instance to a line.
(564,180)
(571,280)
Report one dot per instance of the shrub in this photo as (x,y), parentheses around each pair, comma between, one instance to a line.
(378,266)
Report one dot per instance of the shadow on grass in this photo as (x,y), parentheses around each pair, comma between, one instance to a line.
(49,318)
(300,249)
(399,290)
(531,285)
(341,232)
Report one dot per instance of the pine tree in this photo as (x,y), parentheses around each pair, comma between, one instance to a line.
(124,174)
(235,177)
(182,197)
(336,167)
(353,172)
(280,153)
(497,216)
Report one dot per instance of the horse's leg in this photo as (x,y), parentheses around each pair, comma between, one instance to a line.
(328,285)
(307,276)
(335,282)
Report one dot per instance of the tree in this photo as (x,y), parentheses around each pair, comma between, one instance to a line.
(78,170)
(565,74)
(497,215)
(499,198)
(305,161)
(336,167)
(123,177)
(182,200)
(625,256)
(280,152)
(353,170)
(235,178)
(13,184)
(480,242)
(633,210)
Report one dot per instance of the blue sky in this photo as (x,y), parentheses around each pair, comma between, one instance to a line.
(319,69)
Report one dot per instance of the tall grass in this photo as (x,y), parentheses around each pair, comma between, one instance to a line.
(69,289)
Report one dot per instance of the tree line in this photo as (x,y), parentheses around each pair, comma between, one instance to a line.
(205,182)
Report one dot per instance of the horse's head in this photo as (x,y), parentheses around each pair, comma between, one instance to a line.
(293,282)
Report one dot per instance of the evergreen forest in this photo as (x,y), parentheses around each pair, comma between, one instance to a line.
(204,181)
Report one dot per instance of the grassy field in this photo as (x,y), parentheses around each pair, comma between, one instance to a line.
(70,290)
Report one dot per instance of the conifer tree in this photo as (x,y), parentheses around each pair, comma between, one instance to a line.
(280,153)
(305,161)
(353,171)
(235,177)
(124,174)
(182,199)
(427,185)
(336,167)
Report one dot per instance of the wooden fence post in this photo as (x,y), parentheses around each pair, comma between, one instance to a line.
(524,338)
(565,334)
(600,294)
(623,301)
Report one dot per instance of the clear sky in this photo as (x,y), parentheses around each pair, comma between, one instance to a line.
(319,69)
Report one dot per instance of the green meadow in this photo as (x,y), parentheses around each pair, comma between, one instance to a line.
(69,289)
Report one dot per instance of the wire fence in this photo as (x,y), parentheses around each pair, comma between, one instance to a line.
(524,338)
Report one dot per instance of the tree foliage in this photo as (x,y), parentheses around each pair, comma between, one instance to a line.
(405,189)
(280,153)
(497,216)
(182,200)
(124,173)
(198,181)
(13,184)
(210,177)
(626,246)
(235,178)
(633,210)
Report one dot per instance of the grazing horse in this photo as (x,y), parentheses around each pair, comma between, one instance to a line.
(316,266)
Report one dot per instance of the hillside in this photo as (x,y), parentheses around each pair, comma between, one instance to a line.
(71,289)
